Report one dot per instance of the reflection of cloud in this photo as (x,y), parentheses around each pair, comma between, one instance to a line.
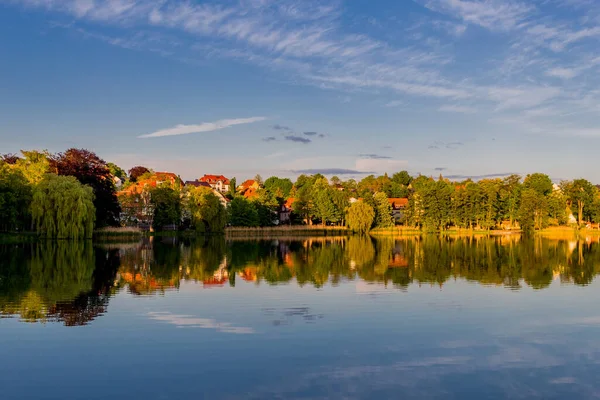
(188,321)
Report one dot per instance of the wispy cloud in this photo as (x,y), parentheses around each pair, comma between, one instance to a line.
(458,109)
(310,133)
(332,171)
(297,139)
(479,177)
(269,139)
(374,156)
(278,127)
(203,127)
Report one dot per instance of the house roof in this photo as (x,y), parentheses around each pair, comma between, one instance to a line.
(398,202)
(197,184)
(250,193)
(247,184)
(214,179)
(289,202)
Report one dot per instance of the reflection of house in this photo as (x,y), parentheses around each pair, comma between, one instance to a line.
(217,182)
(398,261)
(398,206)
(284,213)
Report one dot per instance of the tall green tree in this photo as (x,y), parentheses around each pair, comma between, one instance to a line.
(383,211)
(541,183)
(580,193)
(533,211)
(117,171)
(281,188)
(166,206)
(33,165)
(15,199)
(63,208)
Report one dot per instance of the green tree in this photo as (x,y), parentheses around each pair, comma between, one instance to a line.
(402,178)
(541,183)
(281,188)
(63,208)
(533,211)
(34,165)
(242,212)
(117,171)
(581,194)
(15,199)
(232,188)
(360,217)
(166,205)
(383,211)
(206,211)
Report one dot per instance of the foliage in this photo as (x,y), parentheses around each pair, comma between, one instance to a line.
(63,208)
(281,188)
(117,171)
(541,183)
(402,178)
(206,211)
(242,212)
(232,188)
(533,211)
(136,172)
(166,205)
(33,165)
(581,194)
(383,211)
(91,170)
(360,217)
(15,199)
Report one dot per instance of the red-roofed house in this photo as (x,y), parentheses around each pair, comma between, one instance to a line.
(285,211)
(217,182)
(398,206)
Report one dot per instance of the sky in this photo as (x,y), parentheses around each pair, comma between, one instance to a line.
(463,88)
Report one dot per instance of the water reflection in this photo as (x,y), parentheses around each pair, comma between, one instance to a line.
(72,282)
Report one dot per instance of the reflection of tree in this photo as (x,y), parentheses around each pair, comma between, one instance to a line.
(65,281)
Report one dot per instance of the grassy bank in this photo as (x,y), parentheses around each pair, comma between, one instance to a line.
(288,231)
(118,234)
(405,231)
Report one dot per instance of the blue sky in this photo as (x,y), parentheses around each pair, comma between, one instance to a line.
(239,87)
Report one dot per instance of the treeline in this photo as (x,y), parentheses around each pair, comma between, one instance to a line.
(69,194)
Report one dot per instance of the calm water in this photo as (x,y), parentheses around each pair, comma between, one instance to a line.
(301,319)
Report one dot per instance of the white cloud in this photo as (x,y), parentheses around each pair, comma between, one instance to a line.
(563,73)
(203,127)
(380,165)
(457,109)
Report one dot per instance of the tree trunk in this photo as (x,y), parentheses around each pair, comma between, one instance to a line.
(580,205)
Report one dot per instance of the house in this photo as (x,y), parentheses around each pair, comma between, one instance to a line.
(247,185)
(284,213)
(197,183)
(398,206)
(217,182)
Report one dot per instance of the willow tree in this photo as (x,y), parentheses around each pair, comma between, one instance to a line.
(360,217)
(206,210)
(63,208)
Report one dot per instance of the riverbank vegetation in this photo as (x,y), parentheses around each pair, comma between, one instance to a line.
(71,194)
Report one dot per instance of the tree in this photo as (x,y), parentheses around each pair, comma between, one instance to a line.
(402,178)
(360,217)
(580,193)
(206,211)
(232,188)
(91,170)
(166,205)
(63,208)
(34,165)
(15,199)
(324,206)
(136,172)
(281,188)
(10,158)
(533,210)
(383,211)
(259,179)
(117,171)
(242,212)
(541,183)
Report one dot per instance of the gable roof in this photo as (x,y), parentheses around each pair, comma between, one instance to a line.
(398,203)
(214,179)
(197,184)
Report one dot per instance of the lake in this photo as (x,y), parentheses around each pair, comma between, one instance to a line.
(320,318)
